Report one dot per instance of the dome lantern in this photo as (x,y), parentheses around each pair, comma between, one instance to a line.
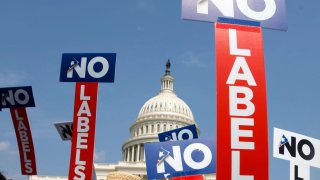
(167,80)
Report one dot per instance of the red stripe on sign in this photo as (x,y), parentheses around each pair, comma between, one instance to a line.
(242,125)
(24,139)
(195,177)
(84,124)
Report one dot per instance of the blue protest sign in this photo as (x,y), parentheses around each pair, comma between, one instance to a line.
(14,97)
(270,13)
(180,158)
(184,133)
(88,67)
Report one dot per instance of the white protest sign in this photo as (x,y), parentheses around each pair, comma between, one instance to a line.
(302,152)
(299,172)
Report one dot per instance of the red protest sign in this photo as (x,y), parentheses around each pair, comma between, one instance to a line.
(84,122)
(242,131)
(24,139)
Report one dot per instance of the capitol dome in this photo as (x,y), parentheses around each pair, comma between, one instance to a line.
(166,103)
(163,112)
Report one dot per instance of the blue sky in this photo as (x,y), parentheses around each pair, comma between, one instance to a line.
(144,34)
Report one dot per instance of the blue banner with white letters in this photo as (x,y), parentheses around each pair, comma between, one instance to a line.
(14,97)
(184,133)
(88,67)
(180,158)
(270,13)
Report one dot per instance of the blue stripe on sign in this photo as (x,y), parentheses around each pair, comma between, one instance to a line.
(238,21)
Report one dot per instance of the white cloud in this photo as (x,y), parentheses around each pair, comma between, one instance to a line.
(192,60)
(139,28)
(9,78)
(4,145)
(142,4)
(99,156)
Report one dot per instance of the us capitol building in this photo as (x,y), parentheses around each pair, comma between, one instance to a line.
(163,112)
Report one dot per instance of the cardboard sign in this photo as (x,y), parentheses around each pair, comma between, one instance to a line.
(65,130)
(24,139)
(270,13)
(88,67)
(180,158)
(84,120)
(296,148)
(14,97)
(184,133)
(242,130)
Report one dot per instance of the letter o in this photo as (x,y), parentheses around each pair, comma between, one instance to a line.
(104,70)
(185,131)
(17,97)
(197,165)
(267,13)
(300,150)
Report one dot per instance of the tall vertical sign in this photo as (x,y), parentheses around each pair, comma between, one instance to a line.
(17,99)
(87,70)
(242,129)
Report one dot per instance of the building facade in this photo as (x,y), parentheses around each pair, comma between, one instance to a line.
(163,112)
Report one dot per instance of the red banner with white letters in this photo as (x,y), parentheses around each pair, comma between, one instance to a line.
(24,139)
(242,127)
(84,122)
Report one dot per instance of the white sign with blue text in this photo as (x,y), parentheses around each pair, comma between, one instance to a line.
(88,67)
(270,13)
(180,158)
(184,133)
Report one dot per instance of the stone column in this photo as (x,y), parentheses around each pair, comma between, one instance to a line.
(128,154)
(144,154)
(124,155)
(132,153)
(138,153)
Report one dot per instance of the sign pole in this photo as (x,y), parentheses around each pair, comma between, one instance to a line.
(299,172)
